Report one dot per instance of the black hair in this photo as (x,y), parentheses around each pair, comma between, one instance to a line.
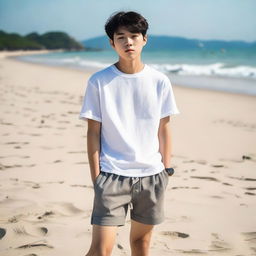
(132,21)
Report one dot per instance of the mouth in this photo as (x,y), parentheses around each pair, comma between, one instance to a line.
(129,50)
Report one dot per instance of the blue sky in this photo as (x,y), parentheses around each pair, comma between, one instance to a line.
(83,19)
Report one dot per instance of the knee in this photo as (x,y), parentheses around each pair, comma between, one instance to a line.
(141,244)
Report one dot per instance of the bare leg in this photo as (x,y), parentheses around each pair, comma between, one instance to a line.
(103,240)
(140,237)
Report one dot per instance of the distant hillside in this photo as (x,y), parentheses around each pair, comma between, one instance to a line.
(174,43)
(34,41)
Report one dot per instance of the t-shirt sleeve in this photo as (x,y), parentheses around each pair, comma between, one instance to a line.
(91,103)
(168,106)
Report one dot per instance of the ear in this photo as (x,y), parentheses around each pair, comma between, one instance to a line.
(112,43)
(145,39)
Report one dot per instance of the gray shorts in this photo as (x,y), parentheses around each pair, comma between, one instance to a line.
(115,193)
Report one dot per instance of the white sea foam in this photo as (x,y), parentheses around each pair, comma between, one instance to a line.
(216,69)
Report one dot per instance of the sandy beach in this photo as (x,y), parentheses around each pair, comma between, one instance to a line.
(45,188)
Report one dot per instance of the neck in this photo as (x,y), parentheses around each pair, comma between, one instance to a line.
(129,67)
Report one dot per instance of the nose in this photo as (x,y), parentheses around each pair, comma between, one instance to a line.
(128,41)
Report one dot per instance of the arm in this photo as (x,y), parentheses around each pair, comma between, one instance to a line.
(93,147)
(164,136)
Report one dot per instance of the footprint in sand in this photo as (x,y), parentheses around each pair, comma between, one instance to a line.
(57,161)
(76,152)
(81,186)
(193,251)
(185,187)
(35,134)
(205,178)
(241,178)
(18,156)
(188,161)
(174,234)
(11,142)
(43,126)
(63,122)
(61,209)
(249,179)
(46,147)
(81,163)
(46,214)
(218,244)
(249,157)
(3,167)
(30,231)
(203,162)
(68,209)
(40,243)
(251,188)
(217,197)
(5,123)
(227,184)
(36,186)
(73,112)
(250,238)
(250,193)
(237,124)
(32,184)
(217,165)
(61,128)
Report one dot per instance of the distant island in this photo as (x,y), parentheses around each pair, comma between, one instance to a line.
(55,40)
(175,43)
(34,41)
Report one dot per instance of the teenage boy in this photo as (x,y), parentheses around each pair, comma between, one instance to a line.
(128,107)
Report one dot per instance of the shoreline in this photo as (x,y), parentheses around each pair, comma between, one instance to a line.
(7,54)
(13,56)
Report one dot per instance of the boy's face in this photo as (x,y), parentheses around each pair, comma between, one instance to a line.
(128,45)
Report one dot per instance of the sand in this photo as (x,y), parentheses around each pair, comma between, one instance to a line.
(45,188)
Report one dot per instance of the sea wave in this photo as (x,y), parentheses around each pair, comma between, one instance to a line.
(215,69)
(85,63)
(73,61)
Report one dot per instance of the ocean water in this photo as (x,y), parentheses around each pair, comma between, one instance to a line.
(225,70)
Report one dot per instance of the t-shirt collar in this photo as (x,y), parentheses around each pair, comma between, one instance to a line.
(117,71)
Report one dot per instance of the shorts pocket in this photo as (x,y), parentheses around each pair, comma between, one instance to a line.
(97,179)
(166,175)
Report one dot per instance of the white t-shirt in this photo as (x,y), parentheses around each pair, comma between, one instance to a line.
(129,107)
